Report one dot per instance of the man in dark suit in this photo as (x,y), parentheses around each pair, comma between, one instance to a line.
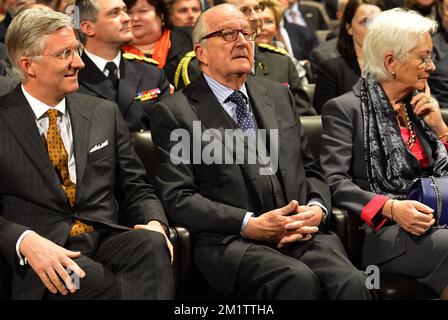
(72,187)
(269,63)
(135,83)
(255,223)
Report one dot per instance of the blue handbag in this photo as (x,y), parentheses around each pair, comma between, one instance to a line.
(433,192)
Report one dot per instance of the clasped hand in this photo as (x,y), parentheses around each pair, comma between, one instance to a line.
(285,225)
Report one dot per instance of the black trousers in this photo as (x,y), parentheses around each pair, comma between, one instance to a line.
(122,265)
(315,269)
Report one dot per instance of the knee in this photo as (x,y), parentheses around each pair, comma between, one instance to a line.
(147,238)
(302,282)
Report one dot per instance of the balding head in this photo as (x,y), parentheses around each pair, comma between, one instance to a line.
(224,43)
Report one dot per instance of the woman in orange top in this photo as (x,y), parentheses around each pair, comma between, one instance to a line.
(153,36)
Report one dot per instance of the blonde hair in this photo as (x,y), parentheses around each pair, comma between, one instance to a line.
(26,35)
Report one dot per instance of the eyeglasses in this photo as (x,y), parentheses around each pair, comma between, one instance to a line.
(67,54)
(427,59)
(230,35)
(247,11)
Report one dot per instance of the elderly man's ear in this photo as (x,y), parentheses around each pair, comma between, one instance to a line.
(201,54)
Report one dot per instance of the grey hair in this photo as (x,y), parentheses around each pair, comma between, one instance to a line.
(201,28)
(26,34)
(395,30)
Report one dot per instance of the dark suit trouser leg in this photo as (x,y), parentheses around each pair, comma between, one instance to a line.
(338,278)
(141,263)
(266,273)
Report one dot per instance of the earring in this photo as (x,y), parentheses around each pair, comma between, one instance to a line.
(393,74)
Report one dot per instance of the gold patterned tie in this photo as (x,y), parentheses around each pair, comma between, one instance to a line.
(59,158)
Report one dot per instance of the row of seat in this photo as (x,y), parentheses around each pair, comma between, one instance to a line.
(343,224)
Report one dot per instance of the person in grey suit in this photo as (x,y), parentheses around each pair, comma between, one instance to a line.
(260,227)
(77,219)
(379,138)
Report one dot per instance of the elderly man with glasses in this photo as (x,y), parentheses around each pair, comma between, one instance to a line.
(269,62)
(259,226)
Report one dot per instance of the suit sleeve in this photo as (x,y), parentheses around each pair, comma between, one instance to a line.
(315,181)
(9,234)
(136,198)
(178,189)
(337,156)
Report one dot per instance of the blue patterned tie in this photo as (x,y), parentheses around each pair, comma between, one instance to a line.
(243,116)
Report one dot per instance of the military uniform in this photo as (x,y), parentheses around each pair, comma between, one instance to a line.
(141,85)
(270,62)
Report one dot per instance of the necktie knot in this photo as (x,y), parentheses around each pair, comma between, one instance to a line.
(52,115)
(238,98)
(112,76)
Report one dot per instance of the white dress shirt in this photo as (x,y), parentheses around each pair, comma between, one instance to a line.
(294,15)
(40,111)
(101,62)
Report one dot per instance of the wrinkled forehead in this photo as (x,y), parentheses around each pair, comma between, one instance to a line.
(221,19)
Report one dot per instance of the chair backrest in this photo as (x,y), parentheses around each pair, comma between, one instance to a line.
(313,130)
(146,151)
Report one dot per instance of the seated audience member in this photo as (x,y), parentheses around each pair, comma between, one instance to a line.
(270,17)
(271,63)
(338,75)
(305,15)
(153,36)
(61,5)
(131,81)
(438,82)
(379,138)
(12,7)
(74,203)
(440,39)
(184,13)
(298,40)
(258,235)
(426,8)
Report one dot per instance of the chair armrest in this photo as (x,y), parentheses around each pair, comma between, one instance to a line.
(184,251)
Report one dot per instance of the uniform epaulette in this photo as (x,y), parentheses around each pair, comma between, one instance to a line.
(132,56)
(273,48)
(182,69)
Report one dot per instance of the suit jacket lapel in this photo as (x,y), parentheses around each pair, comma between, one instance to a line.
(79,118)
(212,115)
(94,79)
(20,119)
(129,80)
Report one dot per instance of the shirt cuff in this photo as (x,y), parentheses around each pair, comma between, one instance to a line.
(318,202)
(23,260)
(372,210)
(246,220)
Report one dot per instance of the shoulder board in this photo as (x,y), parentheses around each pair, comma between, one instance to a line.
(132,56)
(182,69)
(273,48)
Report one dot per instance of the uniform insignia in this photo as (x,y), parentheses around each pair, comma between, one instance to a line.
(273,48)
(182,69)
(147,95)
(132,56)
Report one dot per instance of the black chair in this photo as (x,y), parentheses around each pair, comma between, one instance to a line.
(346,226)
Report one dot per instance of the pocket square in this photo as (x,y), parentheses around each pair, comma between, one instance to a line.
(99,146)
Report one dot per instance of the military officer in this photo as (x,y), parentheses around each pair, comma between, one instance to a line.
(134,82)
